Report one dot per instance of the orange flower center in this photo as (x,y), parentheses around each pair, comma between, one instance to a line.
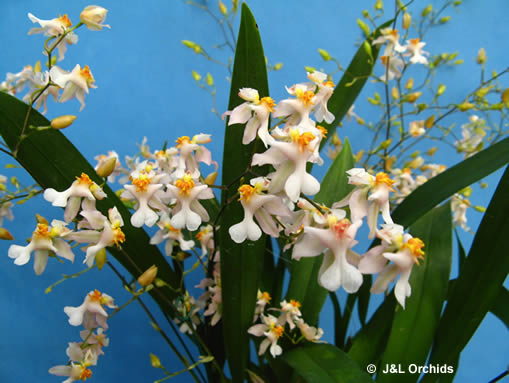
(42,230)
(141,183)
(172,229)
(266,296)
(383,178)
(182,140)
(340,227)
(329,84)
(85,374)
(295,303)
(415,246)
(84,179)
(185,184)
(306,97)
(65,20)
(322,130)
(302,140)
(414,41)
(95,295)
(278,331)
(269,103)
(85,73)
(118,236)
(246,192)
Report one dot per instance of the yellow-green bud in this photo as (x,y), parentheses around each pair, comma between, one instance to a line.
(62,121)
(458,62)
(107,167)
(181,255)
(441,89)
(483,185)
(465,106)
(359,155)
(385,144)
(222,8)
(426,10)
(432,151)
(407,20)
(37,67)
(481,56)
(367,48)
(196,76)
(155,361)
(309,69)
(235,5)
(429,121)
(211,178)
(457,2)
(325,55)
(395,93)
(148,276)
(444,19)
(4,234)
(189,44)
(410,83)
(480,209)
(101,258)
(379,5)
(505,97)
(210,80)
(278,66)
(467,192)
(41,219)
(412,97)
(365,13)
(364,27)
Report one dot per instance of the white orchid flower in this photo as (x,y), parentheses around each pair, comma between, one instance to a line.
(75,83)
(299,108)
(325,90)
(75,371)
(338,238)
(45,239)
(272,332)
(290,313)
(192,152)
(414,48)
(93,17)
(256,113)
(391,37)
(53,27)
(393,67)
(171,235)
(93,305)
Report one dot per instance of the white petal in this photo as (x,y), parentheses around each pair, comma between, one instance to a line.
(238,232)
(40,261)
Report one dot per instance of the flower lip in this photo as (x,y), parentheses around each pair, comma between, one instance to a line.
(383,178)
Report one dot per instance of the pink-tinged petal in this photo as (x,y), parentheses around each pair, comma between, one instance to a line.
(193,220)
(373,261)
(386,212)
(186,245)
(200,210)
(358,205)
(168,247)
(240,114)
(266,222)
(72,208)
(157,238)
(250,130)
(279,178)
(84,236)
(178,221)
(308,246)
(403,259)
(353,258)
(60,370)
(263,346)
(276,207)
(40,261)
(284,108)
(329,275)
(91,253)
(402,290)
(257,329)
(74,351)
(206,193)
(383,279)
(94,217)
(372,219)
(202,154)
(271,156)
(144,216)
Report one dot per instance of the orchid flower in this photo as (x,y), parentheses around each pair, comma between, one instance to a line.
(75,83)
(53,27)
(393,67)
(391,37)
(45,240)
(262,300)
(325,89)
(260,206)
(189,162)
(256,113)
(93,305)
(335,241)
(414,48)
(299,108)
(75,371)
(171,235)
(290,313)
(272,331)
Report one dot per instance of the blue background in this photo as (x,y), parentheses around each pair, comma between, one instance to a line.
(145,88)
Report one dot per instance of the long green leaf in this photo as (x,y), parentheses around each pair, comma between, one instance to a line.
(479,283)
(53,161)
(413,328)
(324,363)
(240,263)
(352,82)
(444,185)
(304,273)
(500,307)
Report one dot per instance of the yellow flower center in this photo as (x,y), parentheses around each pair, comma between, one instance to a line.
(185,184)
(322,130)
(306,97)
(65,20)
(340,227)
(394,33)
(142,183)
(415,246)
(172,229)
(329,84)
(85,179)
(265,296)
(383,178)
(277,330)
(118,236)
(95,295)
(384,59)
(414,41)
(246,192)
(182,140)
(202,233)
(42,231)
(85,73)
(295,303)
(85,374)
(302,140)
(269,103)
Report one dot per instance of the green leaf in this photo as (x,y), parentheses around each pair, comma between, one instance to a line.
(324,363)
(53,161)
(462,255)
(369,343)
(500,307)
(345,93)
(479,283)
(240,262)
(413,328)
(337,316)
(444,185)
(303,285)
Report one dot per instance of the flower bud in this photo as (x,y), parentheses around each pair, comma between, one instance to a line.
(364,27)
(181,255)
(412,97)
(148,276)
(62,121)
(41,219)
(278,66)
(93,17)
(107,167)
(410,83)
(465,106)
(441,89)
(235,5)
(154,361)
(367,48)
(325,55)
(4,234)
(481,56)
(429,122)
(444,19)
(505,97)
(211,178)
(359,155)
(395,93)
(196,75)
(37,67)
(426,10)
(101,258)
(365,13)
(379,5)
(407,20)
(432,151)
(210,79)
(385,144)
(309,69)
(222,8)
